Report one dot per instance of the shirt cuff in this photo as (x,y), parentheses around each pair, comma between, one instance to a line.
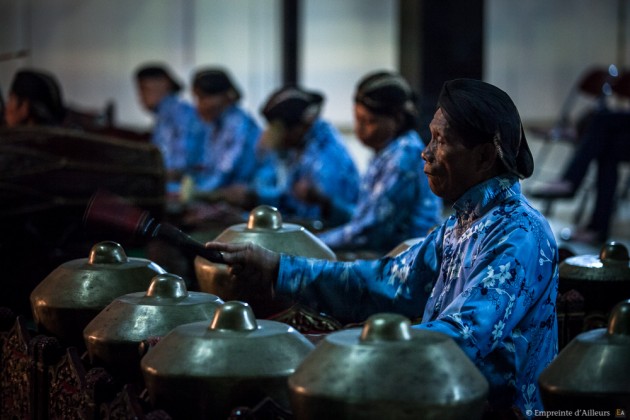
(283,284)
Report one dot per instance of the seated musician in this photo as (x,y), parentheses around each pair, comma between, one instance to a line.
(299,148)
(227,156)
(34,99)
(223,156)
(31,239)
(178,132)
(395,201)
(487,276)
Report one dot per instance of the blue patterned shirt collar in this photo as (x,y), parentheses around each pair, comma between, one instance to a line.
(475,202)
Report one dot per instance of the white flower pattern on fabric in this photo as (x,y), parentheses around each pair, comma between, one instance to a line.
(501,277)
(497,331)
(529,393)
(504,273)
(466,330)
(400,271)
(543,257)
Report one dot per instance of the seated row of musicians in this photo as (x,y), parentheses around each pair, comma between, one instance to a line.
(299,164)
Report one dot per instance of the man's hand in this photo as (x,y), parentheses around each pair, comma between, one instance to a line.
(251,266)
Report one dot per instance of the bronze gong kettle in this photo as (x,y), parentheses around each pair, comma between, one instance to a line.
(114,336)
(76,291)
(206,369)
(387,370)
(593,371)
(265,228)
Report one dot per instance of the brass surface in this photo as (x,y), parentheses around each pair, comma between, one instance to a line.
(612,264)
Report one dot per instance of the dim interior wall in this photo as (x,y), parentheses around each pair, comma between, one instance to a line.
(534,49)
(342,41)
(244,37)
(14,40)
(537,49)
(94,46)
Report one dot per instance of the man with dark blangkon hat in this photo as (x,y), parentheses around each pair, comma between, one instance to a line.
(297,151)
(487,277)
(177,131)
(227,157)
(34,99)
(311,152)
(395,202)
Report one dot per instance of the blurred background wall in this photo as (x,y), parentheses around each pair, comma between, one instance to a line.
(534,49)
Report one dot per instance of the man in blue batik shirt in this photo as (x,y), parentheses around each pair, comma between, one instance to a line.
(487,277)
(299,151)
(395,201)
(178,132)
(228,153)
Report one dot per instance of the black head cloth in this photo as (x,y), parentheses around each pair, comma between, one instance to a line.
(386,92)
(293,105)
(214,80)
(483,113)
(158,70)
(43,92)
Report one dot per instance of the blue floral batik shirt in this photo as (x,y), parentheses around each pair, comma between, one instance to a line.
(395,200)
(228,153)
(179,134)
(487,277)
(324,162)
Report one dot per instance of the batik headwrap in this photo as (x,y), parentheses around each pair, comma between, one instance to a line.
(388,94)
(42,91)
(158,70)
(214,80)
(293,105)
(483,113)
